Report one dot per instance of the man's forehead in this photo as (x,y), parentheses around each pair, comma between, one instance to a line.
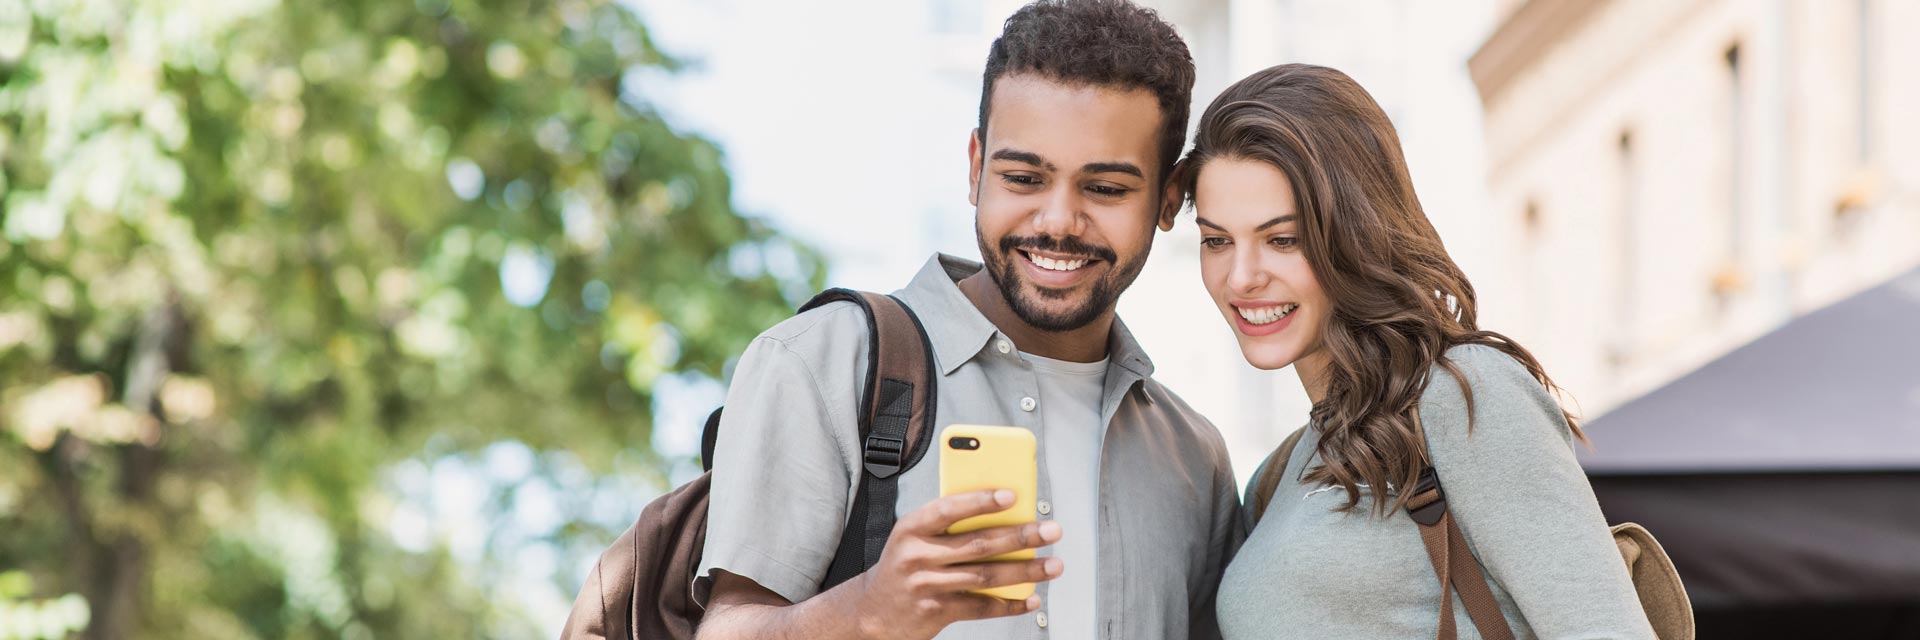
(1072,123)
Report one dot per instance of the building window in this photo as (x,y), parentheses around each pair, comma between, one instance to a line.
(1539,279)
(1626,246)
(1863,34)
(1728,278)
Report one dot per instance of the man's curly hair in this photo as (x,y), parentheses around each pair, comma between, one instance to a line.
(1107,43)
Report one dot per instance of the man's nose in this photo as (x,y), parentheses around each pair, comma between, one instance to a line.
(1060,215)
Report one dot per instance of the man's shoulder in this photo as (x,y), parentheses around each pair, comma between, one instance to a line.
(811,331)
(1186,421)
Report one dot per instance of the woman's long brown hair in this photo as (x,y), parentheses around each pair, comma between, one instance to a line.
(1399,302)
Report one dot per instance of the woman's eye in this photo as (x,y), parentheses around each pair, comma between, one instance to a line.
(1213,243)
(1285,242)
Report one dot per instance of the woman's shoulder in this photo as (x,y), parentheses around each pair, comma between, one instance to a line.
(1501,389)
(1482,366)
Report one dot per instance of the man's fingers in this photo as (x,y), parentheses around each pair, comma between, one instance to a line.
(987,543)
(936,516)
(986,575)
(971,606)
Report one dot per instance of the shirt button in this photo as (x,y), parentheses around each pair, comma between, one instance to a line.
(1003,346)
(1027,403)
(1044,507)
(1040,619)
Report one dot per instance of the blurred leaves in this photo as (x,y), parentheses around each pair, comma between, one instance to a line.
(260,255)
(37,619)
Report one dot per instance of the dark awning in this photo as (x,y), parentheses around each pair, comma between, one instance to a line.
(1784,477)
(1835,390)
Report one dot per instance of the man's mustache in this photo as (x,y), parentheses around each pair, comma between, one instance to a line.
(1068,245)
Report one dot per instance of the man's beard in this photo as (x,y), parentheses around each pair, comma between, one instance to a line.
(1106,289)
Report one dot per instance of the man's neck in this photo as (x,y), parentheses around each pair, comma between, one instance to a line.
(1085,344)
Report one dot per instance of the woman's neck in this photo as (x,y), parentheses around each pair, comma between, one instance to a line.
(1312,369)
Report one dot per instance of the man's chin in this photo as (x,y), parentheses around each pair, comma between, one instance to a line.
(1055,310)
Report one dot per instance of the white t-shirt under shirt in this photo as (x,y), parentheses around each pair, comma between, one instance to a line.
(1070,437)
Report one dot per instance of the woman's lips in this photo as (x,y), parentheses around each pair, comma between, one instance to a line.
(1251,330)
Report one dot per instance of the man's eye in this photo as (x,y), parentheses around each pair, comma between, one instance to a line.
(1108,191)
(1020,179)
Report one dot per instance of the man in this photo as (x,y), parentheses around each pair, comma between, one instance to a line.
(1083,112)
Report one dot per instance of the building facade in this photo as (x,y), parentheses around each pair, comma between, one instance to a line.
(1671,179)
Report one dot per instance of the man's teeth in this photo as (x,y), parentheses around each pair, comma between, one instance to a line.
(1266,315)
(1051,264)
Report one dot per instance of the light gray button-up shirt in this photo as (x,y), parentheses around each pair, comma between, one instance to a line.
(789,458)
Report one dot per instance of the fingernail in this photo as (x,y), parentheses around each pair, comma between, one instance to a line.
(1054,567)
(1050,530)
(1033,602)
(1003,497)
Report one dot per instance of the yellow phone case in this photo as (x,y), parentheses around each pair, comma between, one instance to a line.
(1003,459)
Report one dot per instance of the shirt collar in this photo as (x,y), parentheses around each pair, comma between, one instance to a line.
(959,331)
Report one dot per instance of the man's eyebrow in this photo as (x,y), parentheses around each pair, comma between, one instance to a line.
(1023,157)
(1113,167)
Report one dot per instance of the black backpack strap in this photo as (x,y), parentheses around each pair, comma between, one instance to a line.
(896,423)
(710,438)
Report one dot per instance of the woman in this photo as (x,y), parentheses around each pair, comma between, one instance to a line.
(1319,256)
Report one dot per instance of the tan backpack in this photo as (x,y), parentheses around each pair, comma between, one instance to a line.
(1654,577)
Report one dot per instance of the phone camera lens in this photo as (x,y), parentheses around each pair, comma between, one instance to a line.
(965,444)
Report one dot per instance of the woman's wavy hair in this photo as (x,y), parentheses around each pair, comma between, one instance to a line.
(1399,302)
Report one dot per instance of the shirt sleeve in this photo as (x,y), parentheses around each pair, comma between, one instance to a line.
(781,482)
(1226,533)
(1523,503)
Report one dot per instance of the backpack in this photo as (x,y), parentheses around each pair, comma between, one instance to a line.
(1654,578)
(639,588)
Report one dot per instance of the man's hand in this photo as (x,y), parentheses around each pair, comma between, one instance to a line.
(918,588)
(924,574)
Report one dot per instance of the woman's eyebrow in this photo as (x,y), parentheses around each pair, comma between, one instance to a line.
(1263,226)
(1277,221)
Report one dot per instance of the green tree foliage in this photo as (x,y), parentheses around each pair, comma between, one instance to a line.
(258,254)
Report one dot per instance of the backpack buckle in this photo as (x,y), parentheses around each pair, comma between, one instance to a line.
(1430,513)
(883,455)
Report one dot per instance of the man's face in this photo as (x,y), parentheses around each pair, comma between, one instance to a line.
(1066,194)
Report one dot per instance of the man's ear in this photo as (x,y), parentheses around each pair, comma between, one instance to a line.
(973,167)
(1169,205)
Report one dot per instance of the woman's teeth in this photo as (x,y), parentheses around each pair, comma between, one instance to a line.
(1266,315)
(1051,264)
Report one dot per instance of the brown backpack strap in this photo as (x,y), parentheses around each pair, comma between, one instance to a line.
(1453,562)
(1270,475)
(896,423)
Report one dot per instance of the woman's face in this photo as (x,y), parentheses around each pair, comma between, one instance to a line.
(1252,263)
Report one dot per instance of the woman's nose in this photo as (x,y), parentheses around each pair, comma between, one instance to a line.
(1246,275)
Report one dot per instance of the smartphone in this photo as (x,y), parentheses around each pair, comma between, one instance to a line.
(976,457)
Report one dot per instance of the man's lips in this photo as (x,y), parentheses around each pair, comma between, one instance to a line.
(1056,270)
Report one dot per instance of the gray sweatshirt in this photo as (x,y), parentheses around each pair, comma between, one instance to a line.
(1520,498)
